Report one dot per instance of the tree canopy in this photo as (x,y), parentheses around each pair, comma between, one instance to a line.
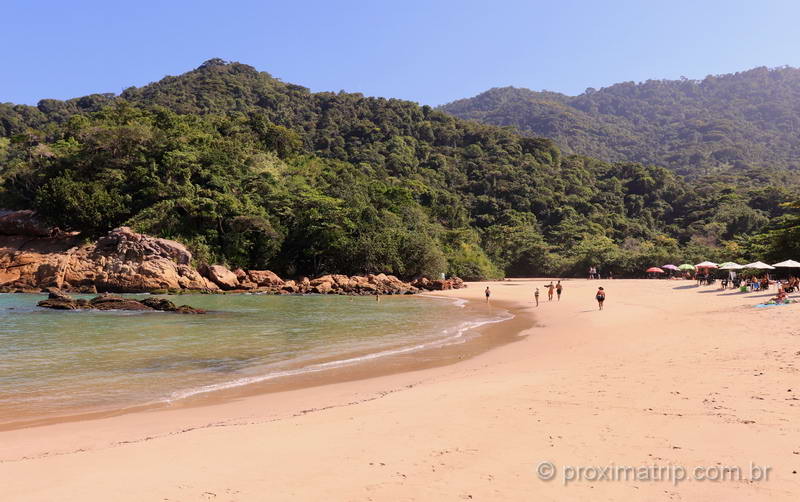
(254,172)
(694,127)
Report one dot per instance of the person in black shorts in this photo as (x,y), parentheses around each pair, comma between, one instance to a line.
(600,296)
(559,287)
(488,294)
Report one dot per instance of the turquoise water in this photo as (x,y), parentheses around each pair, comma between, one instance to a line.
(55,362)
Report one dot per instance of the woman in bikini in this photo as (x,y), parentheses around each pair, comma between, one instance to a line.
(600,296)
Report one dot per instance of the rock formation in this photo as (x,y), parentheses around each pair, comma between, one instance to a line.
(34,257)
(122,261)
(60,301)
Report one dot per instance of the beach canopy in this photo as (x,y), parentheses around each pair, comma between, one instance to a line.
(760,265)
(669,267)
(787,264)
(729,265)
(707,264)
(654,270)
(686,266)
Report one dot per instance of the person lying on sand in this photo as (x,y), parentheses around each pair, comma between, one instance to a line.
(780,298)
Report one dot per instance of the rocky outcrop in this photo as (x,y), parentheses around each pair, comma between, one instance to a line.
(60,301)
(439,284)
(34,257)
(122,261)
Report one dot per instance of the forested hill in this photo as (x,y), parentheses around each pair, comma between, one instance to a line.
(751,118)
(254,172)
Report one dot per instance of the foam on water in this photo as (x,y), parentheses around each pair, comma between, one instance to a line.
(447,340)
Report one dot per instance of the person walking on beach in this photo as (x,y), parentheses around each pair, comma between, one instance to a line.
(591,272)
(536,296)
(600,296)
(488,293)
(550,289)
(559,287)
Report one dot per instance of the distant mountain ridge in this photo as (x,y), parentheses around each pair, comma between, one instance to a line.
(744,119)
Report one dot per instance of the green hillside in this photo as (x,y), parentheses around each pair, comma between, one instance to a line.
(694,127)
(254,172)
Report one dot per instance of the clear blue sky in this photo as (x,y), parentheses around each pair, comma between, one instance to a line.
(427,51)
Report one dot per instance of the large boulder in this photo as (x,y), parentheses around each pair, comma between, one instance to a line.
(59,304)
(127,244)
(264,278)
(290,287)
(111,302)
(421,283)
(322,288)
(220,276)
(159,304)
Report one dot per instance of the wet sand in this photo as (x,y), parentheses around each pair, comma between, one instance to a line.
(667,374)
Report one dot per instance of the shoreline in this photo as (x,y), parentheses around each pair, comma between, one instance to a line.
(468,342)
(667,373)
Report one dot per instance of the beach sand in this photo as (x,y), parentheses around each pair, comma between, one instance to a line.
(668,374)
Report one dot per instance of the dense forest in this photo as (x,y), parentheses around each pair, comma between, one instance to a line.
(694,127)
(250,171)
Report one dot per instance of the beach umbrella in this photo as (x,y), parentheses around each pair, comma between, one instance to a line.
(670,267)
(760,265)
(787,264)
(707,264)
(686,266)
(729,265)
(654,270)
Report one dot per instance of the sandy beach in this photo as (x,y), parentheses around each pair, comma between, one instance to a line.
(669,375)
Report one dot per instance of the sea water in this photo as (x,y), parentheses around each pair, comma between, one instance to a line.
(53,363)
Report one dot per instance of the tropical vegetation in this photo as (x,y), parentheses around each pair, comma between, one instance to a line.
(253,172)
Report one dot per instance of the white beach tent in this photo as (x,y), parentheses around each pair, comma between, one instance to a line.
(787,264)
(760,265)
(706,264)
(731,266)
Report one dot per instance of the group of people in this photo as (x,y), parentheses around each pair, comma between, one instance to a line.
(790,285)
(594,273)
(551,288)
(784,288)
(556,289)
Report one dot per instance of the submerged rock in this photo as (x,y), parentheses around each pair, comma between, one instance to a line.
(159,304)
(112,302)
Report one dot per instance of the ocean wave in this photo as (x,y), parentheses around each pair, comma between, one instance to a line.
(458,302)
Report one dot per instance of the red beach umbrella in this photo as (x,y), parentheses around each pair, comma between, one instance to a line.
(654,270)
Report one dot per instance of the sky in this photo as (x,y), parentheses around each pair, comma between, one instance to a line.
(432,52)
